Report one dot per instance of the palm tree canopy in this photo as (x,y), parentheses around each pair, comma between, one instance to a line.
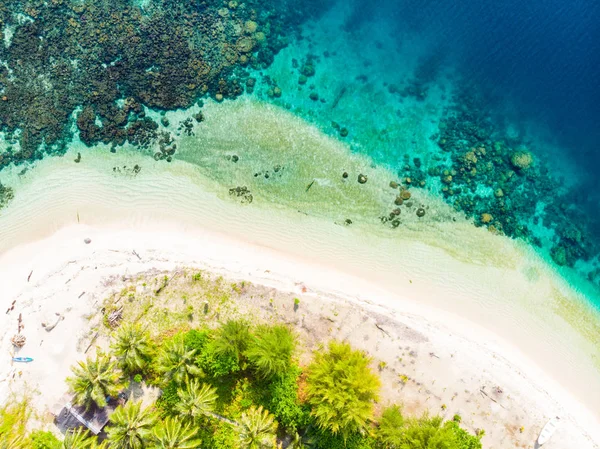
(173,434)
(390,430)
(341,389)
(232,338)
(176,362)
(257,429)
(78,439)
(94,381)
(132,347)
(196,400)
(271,350)
(130,426)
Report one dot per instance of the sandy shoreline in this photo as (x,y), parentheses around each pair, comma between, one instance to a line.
(488,290)
(62,267)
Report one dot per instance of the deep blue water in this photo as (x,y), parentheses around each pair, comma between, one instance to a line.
(541,58)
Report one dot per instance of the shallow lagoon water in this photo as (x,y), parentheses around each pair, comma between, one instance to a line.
(440,260)
(291,159)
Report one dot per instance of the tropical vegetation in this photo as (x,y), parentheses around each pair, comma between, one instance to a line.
(235,386)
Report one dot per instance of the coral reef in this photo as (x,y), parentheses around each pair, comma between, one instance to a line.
(103,63)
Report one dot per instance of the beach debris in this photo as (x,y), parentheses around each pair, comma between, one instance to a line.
(12,307)
(382,330)
(483,393)
(433,354)
(82,293)
(136,254)
(29,277)
(49,327)
(87,240)
(78,158)
(115,317)
(310,185)
(91,342)
(18,340)
(21,326)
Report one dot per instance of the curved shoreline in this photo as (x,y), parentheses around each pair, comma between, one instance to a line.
(64,259)
(494,291)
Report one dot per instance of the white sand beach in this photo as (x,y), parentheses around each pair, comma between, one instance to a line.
(493,310)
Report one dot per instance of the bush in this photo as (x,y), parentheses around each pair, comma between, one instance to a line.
(323,439)
(216,364)
(196,339)
(341,389)
(463,438)
(44,440)
(168,399)
(283,401)
(13,424)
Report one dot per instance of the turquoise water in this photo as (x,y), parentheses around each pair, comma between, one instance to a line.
(491,107)
(400,94)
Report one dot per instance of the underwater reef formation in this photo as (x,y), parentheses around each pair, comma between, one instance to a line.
(98,64)
(499,182)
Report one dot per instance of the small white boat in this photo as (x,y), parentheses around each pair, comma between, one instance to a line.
(548,430)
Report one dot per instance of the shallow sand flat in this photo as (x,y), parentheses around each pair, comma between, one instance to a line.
(488,288)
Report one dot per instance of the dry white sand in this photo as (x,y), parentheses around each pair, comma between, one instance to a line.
(518,322)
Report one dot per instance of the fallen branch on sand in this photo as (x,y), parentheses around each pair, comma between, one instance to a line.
(491,398)
(382,330)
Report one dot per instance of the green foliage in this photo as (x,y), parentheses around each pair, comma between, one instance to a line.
(217,364)
(79,439)
(130,426)
(138,378)
(175,361)
(323,439)
(224,436)
(133,348)
(94,380)
(195,400)
(168,398)
(284,404)
(41,439)
(429,433)
(463,438)
(389,432)
(232,338)
(257,429)
(196,339)
(341,389)
(270,351)
(173,434)
(13,424)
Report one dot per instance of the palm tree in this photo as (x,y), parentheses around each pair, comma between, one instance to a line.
(196,400)
(173,434)
(233,338)
(341,389)
(78,439)
(94,381)
(257,429)
(131,426)
(132,347)
(176,362)
(271,350)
